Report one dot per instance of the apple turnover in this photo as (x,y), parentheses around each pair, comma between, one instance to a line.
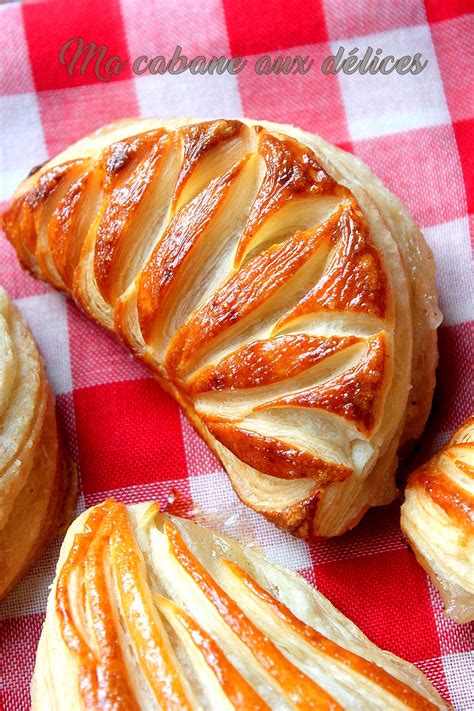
(149,611)
(438,520)
(271,283)
(36,480)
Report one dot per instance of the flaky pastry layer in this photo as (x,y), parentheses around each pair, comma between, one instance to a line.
(438,519)
(270,282)
(149,611)
(36,480)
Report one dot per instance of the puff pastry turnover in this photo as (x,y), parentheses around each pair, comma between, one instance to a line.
(150,611)
(438,520)
(272,284)
(36,480)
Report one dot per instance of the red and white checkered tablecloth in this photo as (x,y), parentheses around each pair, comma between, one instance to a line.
(128,438)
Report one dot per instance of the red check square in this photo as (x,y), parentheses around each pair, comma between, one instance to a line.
(387,596)
(49,28)
(267,25)
(464,132)
(436,10)
(128,432)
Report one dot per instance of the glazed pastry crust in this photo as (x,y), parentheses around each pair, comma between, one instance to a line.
(271,283)
(149,611)
(438,520)
(37,483)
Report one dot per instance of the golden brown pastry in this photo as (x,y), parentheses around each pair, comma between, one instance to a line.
(36,480)
(438,520)
(150,611)
(271,283)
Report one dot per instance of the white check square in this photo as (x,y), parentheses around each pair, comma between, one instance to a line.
(47,317)
(451,246)
(378,104)
(201,96)
(21,140)
(459,670)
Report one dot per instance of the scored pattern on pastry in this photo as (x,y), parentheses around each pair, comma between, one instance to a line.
(438,520)
(35,478)
(148,624)
(228,259)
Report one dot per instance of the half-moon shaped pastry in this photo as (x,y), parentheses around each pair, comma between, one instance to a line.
(36,480)
(438,520)
(271,283)
(150,611)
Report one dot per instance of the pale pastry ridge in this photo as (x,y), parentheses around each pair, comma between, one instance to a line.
(37,481)
(437,518)
(270,282)
(150,611)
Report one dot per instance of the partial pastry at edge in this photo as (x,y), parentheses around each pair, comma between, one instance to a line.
(150,611)
(270,282)
(37,481)
(438,519)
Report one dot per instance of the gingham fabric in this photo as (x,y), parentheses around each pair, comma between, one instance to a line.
(128,438)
